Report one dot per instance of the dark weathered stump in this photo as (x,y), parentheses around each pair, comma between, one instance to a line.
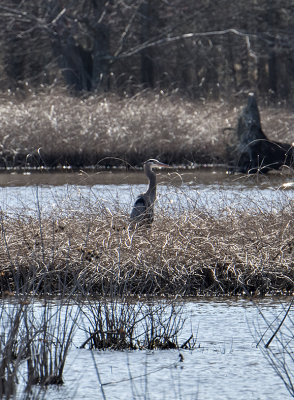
(254,152)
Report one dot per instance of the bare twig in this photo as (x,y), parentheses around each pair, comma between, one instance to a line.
(279,327)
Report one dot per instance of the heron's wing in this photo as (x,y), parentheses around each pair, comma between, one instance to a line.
(139,209)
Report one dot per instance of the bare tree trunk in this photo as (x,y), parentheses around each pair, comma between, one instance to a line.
(272,68)
(84,61)
(100,58)
(147,67)
(254,151)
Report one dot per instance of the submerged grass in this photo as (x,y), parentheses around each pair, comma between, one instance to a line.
(190,252)
(53,129)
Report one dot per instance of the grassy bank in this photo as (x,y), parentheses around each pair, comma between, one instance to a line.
(53,129)
(92,252)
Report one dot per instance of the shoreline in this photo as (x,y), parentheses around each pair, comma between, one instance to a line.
(53,130)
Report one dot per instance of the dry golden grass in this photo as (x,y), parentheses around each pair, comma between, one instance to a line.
(55,129)
(189,254)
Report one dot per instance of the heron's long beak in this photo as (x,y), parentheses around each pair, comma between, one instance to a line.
(162,165)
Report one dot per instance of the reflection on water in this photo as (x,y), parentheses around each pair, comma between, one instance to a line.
(213,190)
(202,176)
(226,364)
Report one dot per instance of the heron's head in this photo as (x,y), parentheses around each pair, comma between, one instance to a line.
(152,162)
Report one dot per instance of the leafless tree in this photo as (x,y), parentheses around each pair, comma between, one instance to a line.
(203,48)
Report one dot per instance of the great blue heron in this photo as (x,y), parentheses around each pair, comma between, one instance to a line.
(143,209)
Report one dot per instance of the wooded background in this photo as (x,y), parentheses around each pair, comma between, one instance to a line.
(201,48)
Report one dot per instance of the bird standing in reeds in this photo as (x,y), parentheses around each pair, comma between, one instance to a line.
(143,210)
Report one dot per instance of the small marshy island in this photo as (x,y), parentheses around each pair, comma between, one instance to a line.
(84,245)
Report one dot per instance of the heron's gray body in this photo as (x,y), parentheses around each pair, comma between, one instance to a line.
(143,210)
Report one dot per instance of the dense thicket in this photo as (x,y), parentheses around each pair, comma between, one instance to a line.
(201,47)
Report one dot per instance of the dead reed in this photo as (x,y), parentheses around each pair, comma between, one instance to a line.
(53,129)
(34,341)
(120,324)
(12,352)
(276,343)
(188,252)
(50,329)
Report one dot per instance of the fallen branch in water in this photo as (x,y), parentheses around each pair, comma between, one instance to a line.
(279,327)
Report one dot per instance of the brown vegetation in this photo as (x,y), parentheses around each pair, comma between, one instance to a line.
(122,324)
(194,253)
(54,129)
(36,336)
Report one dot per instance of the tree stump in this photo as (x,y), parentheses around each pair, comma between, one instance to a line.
(254,152)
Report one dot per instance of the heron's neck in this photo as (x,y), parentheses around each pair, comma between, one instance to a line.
(152,183)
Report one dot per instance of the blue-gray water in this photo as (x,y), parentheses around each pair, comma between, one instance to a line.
(225,364)
(211,190)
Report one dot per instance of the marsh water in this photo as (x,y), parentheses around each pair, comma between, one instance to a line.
(226,363)
(207,188)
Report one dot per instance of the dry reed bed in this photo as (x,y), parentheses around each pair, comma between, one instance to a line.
(54,129)
(189,254)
